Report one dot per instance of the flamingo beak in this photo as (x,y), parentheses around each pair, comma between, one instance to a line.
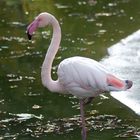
(31,28)
(29,36)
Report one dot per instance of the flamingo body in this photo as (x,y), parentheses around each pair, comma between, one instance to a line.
(84,77)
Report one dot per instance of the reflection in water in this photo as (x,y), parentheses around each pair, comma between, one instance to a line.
(20,117)
(124,60)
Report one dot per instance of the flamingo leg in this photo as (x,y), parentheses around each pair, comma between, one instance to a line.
(84,131)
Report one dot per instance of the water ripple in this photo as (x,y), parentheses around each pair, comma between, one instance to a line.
(38,126)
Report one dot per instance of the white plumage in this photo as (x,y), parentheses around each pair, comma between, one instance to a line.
(82,77)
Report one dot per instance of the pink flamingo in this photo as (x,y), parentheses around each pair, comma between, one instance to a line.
(82,77)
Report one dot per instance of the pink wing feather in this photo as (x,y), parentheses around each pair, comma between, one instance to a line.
(112,80)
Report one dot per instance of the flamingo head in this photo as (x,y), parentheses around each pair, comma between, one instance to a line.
(41,20)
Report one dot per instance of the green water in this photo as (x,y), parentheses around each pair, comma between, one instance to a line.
(28,111)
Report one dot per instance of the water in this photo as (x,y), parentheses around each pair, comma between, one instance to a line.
(124,57)
(28,110)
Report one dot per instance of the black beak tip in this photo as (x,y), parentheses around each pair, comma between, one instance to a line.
(29,36)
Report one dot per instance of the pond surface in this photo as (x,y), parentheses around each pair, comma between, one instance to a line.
(28,110)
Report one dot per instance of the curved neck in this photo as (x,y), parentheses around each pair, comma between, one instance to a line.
(47,81)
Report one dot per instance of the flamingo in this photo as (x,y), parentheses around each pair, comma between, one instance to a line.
(82,77)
